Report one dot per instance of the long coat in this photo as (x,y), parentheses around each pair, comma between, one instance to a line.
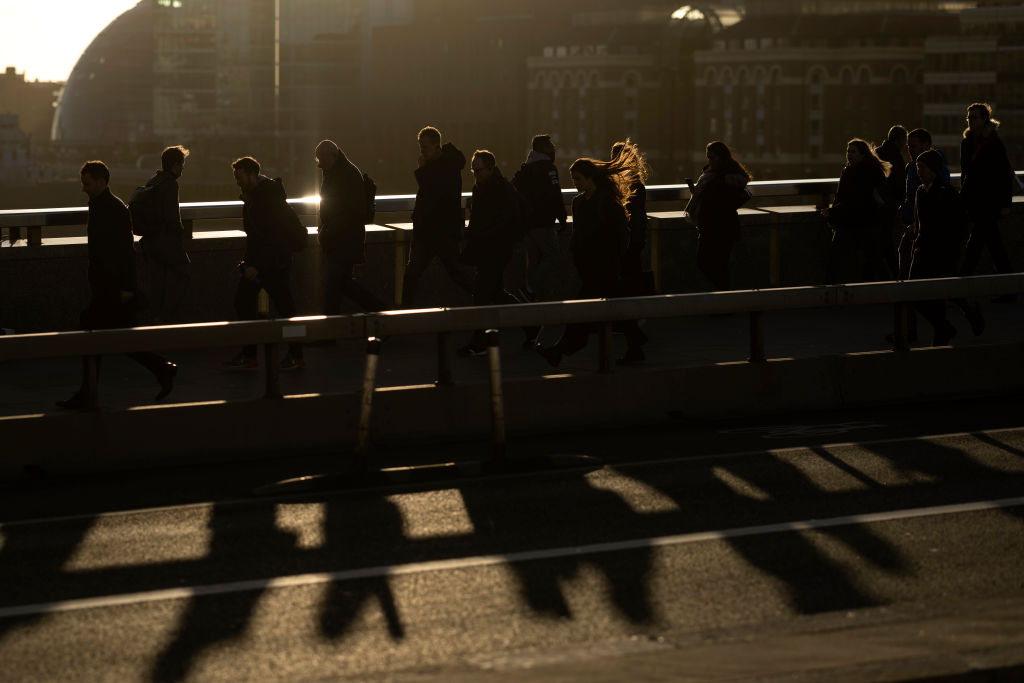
(343,206)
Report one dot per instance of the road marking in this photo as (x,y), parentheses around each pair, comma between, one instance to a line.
(480,561)
(633,464)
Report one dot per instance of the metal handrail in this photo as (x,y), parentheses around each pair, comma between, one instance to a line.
(444,320)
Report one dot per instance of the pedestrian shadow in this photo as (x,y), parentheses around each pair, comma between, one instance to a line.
(239,533)
(507,520)
(31,559)
(813,582)
(347,528)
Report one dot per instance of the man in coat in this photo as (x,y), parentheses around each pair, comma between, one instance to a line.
(437,219)
(112,280)
(164,251)
(268,258)
(342,230)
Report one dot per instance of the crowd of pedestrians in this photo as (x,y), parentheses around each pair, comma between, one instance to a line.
(895,215)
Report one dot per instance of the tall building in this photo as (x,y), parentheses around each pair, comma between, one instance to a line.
(789,85)
(983,61)
(33,102)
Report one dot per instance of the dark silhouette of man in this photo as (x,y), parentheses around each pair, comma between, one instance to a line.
(268,257)
(164,251)
(342,230)
(494,226)
(112,279)
(437,218)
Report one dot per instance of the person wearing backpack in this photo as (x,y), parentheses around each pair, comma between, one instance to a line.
(156,217)
(344,211)
(269,225)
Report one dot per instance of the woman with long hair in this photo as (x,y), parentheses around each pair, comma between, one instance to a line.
(600,239)
(856,216)
(714,200)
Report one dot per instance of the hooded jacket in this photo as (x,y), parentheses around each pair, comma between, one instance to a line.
(342,230)
(941,230)
(986,177)
(537,182)
(437,215)
(264,220)
(716,197)
(914,182)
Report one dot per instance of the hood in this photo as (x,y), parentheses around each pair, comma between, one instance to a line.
(535,156)
(452,157)
(265,189)
(988,131)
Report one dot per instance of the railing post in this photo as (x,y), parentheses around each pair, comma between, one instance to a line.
(401,259)
(756,337)
(373,347)
(497,397)
(272,371)
(35,236)
(774,257)
(654,237)
(444,359)
(606,361)
(14,234)
(188,225)
(899,327)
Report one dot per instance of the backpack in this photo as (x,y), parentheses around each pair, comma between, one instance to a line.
(143,209)
(370,190)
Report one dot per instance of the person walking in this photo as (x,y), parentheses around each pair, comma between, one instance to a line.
(342,230)
(113,285)
(599,242)
(986,185)
(268,259)
(537,182)
(163,247)
(437,218)
(714,200)
(940,230)
(855,216)
(494,227)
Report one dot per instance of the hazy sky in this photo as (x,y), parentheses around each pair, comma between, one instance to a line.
(44,38)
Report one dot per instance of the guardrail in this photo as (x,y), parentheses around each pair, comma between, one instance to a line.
(35,221)
(444,321)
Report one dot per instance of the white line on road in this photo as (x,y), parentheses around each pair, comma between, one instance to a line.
(478,561)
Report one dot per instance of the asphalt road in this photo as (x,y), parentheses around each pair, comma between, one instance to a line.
(881,544)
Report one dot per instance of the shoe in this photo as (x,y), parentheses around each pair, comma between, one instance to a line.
(290,362)
(634,355)
(976,319)
(166,376)
(241,362)
(1005,299)
(76,402)
(471,350)
(551,354)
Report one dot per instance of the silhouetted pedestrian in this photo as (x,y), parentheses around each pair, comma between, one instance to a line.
(940,229)
(855,216)
(163,240)
(437,218)
(537,181)
(268,258)
(714,200)
(986,182)
(495,224)
(342,233)
(599,242)
(114,297)
(894,151)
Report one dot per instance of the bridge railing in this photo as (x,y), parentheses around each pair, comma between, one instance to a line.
(35,223)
